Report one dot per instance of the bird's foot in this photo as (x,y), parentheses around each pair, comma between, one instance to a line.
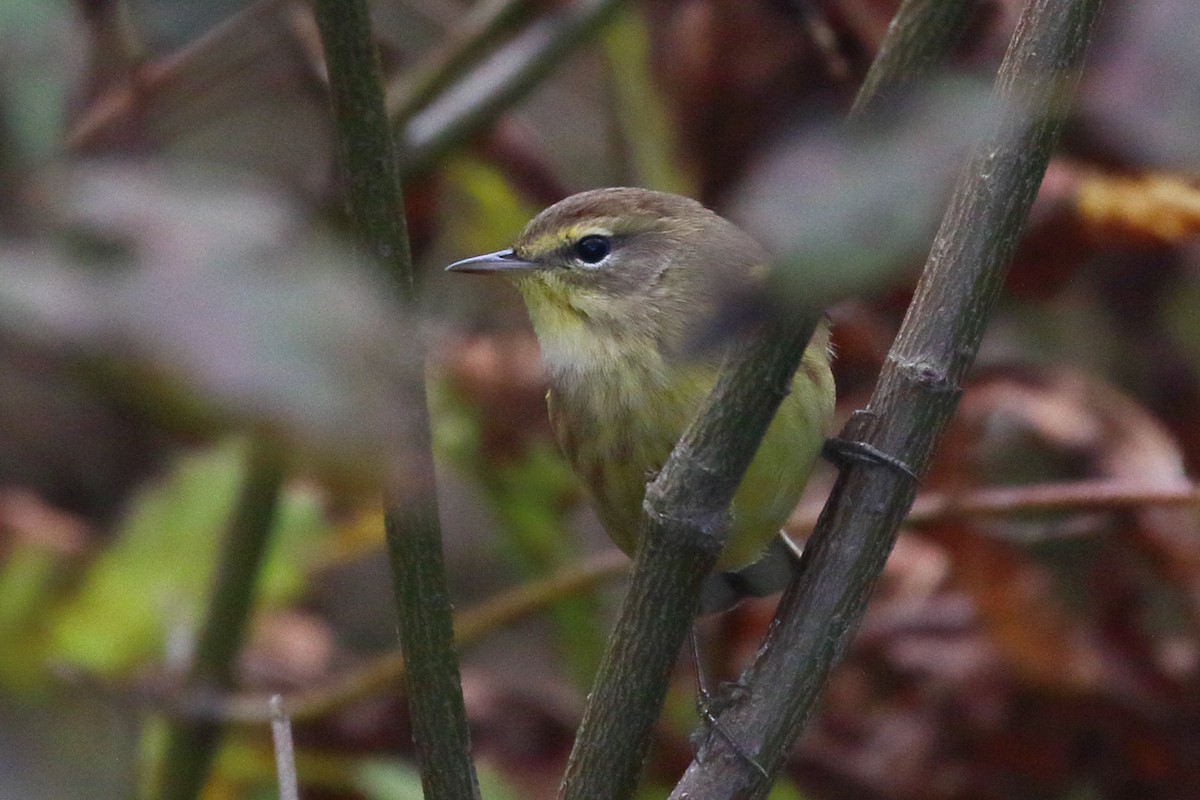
(709,706)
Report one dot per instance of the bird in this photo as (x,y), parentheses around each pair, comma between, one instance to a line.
(623,286)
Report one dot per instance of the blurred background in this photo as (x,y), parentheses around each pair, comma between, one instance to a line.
(175,285)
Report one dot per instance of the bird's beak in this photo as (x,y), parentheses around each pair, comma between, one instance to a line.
(501,260)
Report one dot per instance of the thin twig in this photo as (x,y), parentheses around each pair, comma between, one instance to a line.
(468,42)
(471,104)
(513,605)
(285,750)
(388,670)
(997,502)
(1076,496)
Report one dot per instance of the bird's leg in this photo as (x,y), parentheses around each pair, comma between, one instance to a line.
(704,707)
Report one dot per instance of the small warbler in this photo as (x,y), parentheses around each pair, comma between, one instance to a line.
(620,285)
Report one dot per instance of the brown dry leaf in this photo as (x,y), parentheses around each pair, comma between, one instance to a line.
(1017,602)
(1099,609)
(1082,211)
(1151,209)
(1055,246)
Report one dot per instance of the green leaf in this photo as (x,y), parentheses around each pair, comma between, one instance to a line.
(144,596)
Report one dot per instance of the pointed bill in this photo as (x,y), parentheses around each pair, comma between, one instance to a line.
(492,262)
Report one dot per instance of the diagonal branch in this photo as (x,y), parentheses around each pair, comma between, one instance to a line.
(684,529)
(466,107)
(920,37)
(917,393)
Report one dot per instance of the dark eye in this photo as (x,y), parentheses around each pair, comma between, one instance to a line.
(592,249)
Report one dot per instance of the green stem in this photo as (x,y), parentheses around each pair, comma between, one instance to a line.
(374,200)
(192,745)
(376,210)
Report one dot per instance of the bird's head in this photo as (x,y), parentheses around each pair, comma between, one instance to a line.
(623,262)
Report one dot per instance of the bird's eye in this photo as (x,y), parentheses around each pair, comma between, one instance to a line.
(592,249)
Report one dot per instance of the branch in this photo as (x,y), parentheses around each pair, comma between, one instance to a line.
(685,525)
(463,110)
(387,669)
(920,37)
(376,211)
(1102,494)
(465,44)
(917,393)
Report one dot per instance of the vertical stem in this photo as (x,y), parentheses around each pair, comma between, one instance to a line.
(285,750)
(376,210)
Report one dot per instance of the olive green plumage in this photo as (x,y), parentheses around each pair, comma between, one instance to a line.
(620,285)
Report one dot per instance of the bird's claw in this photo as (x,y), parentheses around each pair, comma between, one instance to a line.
(840,452)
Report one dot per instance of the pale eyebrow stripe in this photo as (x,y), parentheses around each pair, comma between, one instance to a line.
(572,233)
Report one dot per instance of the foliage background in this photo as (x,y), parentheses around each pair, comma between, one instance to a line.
(174,283)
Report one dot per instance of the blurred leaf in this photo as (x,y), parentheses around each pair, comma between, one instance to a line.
(207,300)
(73,748)
(528,485)
(735,73)
(844,208)
(393,780)
(1154,208)
(27,579)
(76,449)
(784,789)
(1183,320)
(146,593)
(1075,600)
(486,209)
